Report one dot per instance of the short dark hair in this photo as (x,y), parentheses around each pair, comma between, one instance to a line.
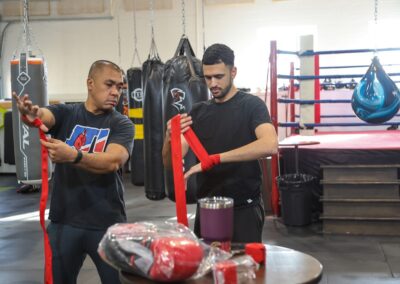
(100,64)
(218,53)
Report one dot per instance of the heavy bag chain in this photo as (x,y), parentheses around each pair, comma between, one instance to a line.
(183,17)
(153,48)
(25,20)
(376,26)
(152,18)
(28,39)
(203,26)
(135,53)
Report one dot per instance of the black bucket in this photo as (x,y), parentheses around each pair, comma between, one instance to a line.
(296,194)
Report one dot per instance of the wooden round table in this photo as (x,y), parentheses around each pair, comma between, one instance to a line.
(283,265)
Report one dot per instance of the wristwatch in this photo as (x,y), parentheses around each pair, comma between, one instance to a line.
(78,157)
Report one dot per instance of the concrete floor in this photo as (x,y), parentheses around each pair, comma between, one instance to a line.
(346,259)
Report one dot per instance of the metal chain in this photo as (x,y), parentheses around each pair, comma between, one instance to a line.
(183,17)
(375,27)
(153,48)
(136,53)
(25,21)
(134,25)
(118,7)
(151,3)
(202,25)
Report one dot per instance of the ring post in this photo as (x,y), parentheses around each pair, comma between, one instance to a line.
(292,108)
(307,86)
(317,107)
(274,118)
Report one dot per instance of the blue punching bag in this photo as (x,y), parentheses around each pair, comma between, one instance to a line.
(376,97)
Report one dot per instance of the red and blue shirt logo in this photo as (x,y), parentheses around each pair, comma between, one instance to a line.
(88,139)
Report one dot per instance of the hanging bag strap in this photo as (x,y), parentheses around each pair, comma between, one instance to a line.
(185,48)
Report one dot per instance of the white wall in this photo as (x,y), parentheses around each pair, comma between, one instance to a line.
(71,46)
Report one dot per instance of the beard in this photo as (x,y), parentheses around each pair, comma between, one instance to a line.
(223,92)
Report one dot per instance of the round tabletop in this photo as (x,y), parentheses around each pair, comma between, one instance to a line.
(299,143)
(283,265)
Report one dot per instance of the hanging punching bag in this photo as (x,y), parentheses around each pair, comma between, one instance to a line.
(376,97)
(28,77)
(122,105)
(183,86)
(135,103)
(153,128)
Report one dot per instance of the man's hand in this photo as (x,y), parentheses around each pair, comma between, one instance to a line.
(186,121)
(193,170)
(59,152)
(25,107)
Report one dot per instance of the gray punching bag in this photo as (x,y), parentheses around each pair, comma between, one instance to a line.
(153,128)
(184,86)
(135,104)
(28,77)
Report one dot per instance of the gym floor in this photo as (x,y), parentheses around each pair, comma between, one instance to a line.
(346,259)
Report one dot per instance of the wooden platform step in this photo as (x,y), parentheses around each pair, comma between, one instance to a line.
(361,199)
(362,190)
(363,208)
(360,173)
(361,226)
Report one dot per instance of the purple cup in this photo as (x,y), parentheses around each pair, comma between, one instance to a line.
(216,219)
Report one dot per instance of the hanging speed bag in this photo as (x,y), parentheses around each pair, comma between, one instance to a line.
(28,77)
(376,97)
(135,104)
(153,129)
(183,86)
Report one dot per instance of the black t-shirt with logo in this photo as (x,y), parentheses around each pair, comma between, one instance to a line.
(81,198)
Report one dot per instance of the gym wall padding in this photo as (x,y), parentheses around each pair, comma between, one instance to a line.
(184,86)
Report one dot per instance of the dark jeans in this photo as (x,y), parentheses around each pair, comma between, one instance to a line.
(70,245)
(248,223)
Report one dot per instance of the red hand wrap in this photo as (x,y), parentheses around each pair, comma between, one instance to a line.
(35,123)
(48,275)
(177,166)
(209,163)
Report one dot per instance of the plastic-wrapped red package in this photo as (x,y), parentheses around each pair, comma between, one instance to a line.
(160,251)
(236,270)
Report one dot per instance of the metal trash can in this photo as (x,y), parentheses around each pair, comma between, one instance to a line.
(296,194)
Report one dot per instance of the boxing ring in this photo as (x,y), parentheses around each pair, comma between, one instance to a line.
(310,110)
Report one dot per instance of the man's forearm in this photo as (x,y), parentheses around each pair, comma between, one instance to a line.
(166,152)
(99,163)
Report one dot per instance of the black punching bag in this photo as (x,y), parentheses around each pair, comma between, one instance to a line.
(183,86)
(153,128)
(135,104)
